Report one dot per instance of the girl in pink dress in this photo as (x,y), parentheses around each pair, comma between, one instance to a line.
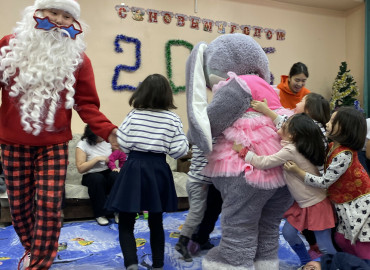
(318,108)
(346,181)
(302,142)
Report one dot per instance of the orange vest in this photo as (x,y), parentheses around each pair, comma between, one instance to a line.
(353,183)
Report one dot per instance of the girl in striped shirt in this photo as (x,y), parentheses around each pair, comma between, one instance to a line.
(148,133)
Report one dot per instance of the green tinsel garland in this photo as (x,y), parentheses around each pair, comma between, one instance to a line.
(178,42)
(175,42)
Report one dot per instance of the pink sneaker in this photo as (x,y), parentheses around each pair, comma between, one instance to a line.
(193,247)
(24,261)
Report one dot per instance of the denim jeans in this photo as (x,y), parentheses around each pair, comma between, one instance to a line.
(323,238)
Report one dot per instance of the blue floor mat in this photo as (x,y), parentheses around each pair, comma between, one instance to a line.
(86,245)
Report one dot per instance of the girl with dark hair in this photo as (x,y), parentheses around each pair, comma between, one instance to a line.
(92,154)
(148,133)
(313,104)
(318,108)
(346,181)
(302,142)
(291,87)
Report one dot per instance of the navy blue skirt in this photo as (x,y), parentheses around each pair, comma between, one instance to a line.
(145,183)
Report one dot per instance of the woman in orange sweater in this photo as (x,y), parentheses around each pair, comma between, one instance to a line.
(291,87)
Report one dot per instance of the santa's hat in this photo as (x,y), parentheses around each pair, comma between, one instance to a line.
(70,6)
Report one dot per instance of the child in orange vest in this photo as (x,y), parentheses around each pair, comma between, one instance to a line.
(346,181)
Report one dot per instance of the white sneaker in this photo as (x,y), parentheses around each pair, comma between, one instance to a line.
(102,221)
(116,217)
(25,261)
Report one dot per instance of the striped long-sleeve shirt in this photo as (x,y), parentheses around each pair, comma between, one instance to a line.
(198,162)
(157,131)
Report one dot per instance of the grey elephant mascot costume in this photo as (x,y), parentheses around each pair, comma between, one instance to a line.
(254,201)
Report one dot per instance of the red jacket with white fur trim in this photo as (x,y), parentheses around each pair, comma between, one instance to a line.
(86,104)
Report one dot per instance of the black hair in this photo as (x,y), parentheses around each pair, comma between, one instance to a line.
(90,136)
(351,130)
(317,107)
(298,68)
(307,137)
(153,93)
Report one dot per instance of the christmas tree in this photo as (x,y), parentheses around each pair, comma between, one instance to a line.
(344,90)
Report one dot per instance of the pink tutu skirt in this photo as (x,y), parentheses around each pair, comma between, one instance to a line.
(258,133)
(317,217)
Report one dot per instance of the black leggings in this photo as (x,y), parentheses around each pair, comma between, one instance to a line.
(99,185)
(214,206)
(128,243)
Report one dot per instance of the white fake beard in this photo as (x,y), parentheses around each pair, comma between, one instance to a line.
(46,61)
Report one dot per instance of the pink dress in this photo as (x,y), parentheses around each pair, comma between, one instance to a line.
(252,130)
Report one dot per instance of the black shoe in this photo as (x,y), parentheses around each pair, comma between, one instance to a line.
(207,245)
(182,247)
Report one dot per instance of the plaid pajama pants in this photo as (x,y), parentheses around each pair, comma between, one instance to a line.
(36,172)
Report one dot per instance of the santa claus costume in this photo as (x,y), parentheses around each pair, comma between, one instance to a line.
(44,73)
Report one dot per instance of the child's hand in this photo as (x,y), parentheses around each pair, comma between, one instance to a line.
(240,149)
(112,139)
(291,166)
(260,106)
(237,147)
(116,170)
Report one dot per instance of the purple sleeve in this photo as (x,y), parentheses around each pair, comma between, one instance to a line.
(116,155)
(112,158)
(122,158)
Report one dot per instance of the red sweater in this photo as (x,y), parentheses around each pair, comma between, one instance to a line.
(86,104)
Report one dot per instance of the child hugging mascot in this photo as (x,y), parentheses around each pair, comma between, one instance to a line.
(254,201)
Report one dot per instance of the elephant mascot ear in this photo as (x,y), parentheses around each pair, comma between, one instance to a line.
(196,95)
(225,58)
